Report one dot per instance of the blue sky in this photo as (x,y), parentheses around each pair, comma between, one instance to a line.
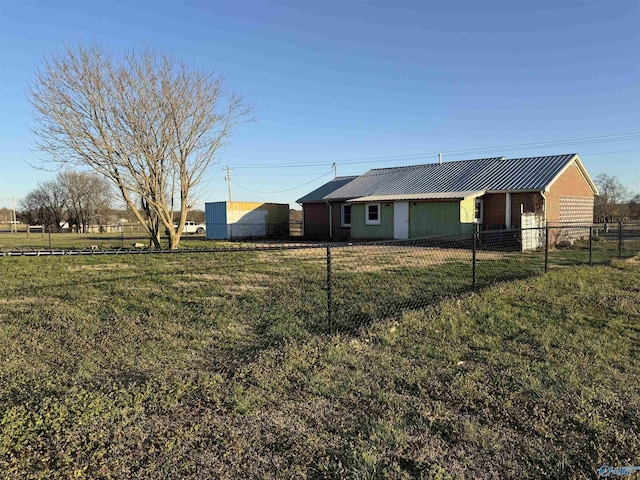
(363,83)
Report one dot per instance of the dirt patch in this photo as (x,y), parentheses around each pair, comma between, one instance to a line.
(238,289)
(226,279)
(106,266)
(17,300)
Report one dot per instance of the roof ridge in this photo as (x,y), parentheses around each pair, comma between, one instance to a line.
(545,156)
(439,164)
(469,160)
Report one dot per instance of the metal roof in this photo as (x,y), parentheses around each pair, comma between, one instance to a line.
(421,196)
(317,196)
(492,174)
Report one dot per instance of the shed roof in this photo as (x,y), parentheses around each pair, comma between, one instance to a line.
(496,174)
(318,195)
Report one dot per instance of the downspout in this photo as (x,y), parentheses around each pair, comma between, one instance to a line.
(546,225)
(330,221)
(507,210)
(302,222)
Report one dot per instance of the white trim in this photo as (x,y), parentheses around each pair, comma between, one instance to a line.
(342,222)
(478,201)
(366,214)
(461,195)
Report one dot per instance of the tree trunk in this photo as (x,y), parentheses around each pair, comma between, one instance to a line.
(174,239)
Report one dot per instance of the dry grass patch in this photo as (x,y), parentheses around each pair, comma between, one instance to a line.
(98,267)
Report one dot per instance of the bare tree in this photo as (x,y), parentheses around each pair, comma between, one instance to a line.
(610,203)
(149,124)
(6,215)
(46,205)
(89,197)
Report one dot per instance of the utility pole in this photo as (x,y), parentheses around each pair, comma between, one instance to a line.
(335,169)
(228,179)
(14,225)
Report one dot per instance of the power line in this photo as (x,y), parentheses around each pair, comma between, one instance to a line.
(603,154)
(522,146)
(632,181)
(293,174)
(288,189)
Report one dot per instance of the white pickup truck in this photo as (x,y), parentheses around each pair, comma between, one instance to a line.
(192,227)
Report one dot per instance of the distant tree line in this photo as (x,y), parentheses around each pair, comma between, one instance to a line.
(615,202)
(74,197)
(6,215)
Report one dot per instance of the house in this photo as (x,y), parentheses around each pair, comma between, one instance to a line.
(230,220)
(451,198)
(323,219)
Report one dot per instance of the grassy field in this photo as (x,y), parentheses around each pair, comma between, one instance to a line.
(227,366)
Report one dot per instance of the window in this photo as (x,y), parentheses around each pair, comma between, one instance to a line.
(373,214)
(345,217)
(477,215)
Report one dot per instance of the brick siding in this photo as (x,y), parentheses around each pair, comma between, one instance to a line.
(316,222)
(493,211)
(571,184)
(525,203)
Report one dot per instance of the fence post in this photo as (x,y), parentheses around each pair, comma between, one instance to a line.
(49,237)
(620,239)
(473,261)
(546,248)
(122,236)
(329,313)
(590,246)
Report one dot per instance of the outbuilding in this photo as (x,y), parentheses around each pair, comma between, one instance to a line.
(236,220)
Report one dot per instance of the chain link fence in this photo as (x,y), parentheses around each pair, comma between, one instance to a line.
(30,238)
(341,287)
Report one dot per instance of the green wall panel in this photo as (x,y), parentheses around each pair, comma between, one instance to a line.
(435,219)
(426,219)
(359,228)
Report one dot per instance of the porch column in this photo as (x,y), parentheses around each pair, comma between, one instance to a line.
(507,210)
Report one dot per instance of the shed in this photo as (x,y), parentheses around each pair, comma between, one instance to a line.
(233,220)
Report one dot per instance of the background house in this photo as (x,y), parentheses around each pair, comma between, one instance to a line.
(459,197)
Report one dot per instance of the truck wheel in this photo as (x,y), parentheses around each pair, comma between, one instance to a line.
(200,231)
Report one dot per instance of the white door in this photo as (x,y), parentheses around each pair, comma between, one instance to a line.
(401,220)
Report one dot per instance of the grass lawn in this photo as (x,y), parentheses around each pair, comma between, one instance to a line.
(219,366)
